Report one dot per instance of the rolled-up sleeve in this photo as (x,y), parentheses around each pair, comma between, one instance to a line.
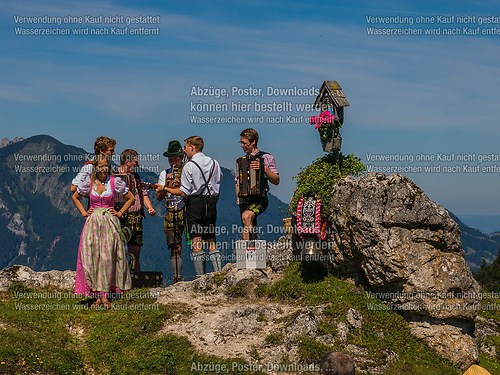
(270,162)
(162,178)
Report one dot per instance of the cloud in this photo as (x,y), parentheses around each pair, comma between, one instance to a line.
(409,82)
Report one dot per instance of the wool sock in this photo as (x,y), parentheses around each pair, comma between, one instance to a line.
(216,260)
(176,263)
(199,262)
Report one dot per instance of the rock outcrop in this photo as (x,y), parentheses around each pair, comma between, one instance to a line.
(390,236)
(25,275)
(227,320)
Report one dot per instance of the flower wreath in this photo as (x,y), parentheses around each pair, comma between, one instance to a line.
(309,218)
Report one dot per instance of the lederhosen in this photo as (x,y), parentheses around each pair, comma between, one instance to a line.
(201,209)
(173,223)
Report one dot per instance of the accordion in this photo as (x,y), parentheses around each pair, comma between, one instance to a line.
(251,182)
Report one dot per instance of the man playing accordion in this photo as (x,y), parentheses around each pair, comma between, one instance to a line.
(253,172)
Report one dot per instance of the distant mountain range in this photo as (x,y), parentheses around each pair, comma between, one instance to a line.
(40,227)
(485,223)
(477,245)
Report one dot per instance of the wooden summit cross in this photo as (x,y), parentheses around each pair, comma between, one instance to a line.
(331,100)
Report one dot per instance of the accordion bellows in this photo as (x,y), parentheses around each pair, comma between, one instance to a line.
(251,182)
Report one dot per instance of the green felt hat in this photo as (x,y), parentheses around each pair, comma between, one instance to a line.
(174,149)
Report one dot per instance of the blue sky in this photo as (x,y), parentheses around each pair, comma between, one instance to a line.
(408,94)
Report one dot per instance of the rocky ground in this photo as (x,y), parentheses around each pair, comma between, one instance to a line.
(228,320)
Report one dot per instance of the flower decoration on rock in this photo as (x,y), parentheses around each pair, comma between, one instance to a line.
(326,124)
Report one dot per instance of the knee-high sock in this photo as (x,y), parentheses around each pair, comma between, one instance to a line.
(216,260)
(199,262)
(176,263)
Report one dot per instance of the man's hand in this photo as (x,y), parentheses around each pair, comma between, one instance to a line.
(255,164)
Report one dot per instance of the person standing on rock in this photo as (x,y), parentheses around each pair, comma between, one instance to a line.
(200,185)
(101,263)
(252,205)
(131,221)
(173,224)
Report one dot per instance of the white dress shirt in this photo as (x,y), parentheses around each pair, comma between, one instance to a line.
(192,181)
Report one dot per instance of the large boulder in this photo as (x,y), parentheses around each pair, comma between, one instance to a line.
(389,235)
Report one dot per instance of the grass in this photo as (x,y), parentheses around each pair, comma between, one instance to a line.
(490,309)
(56,334)
(274,339)
(38,336)
(239,290)
(381,330)
(490,306)
(489,363)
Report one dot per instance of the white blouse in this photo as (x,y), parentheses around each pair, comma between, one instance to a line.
(121,187)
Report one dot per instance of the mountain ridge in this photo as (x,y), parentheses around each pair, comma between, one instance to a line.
(49,194)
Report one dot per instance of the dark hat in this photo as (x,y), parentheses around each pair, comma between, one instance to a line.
(174,149)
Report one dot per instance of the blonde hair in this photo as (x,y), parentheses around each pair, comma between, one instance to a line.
(196,141)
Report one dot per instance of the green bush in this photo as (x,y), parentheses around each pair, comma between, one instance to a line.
(319,178)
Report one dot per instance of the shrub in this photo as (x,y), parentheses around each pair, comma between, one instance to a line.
(319,178)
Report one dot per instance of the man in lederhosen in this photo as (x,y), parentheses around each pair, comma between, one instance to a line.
(173,224)
(200,184)
(131,221)
(253,206)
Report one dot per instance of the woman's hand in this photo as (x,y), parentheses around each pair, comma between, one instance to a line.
(152,211)
(116,213)
(87,213)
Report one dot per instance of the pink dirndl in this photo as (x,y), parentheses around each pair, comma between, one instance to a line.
(101,265)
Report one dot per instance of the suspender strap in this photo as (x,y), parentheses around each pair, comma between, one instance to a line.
(206,181)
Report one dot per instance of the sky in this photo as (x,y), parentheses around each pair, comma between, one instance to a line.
(415,100)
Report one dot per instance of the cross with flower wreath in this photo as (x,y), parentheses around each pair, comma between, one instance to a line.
(328,123)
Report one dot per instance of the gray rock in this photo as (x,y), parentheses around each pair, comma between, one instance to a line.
(305,323)
(388,234)
(342,331)
(486,328)
(354,318)
(449,341)
(280,253)
(59,279)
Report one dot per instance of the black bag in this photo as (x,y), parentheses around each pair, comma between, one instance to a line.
(146,279)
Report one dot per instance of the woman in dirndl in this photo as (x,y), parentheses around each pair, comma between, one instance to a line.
(102,266)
